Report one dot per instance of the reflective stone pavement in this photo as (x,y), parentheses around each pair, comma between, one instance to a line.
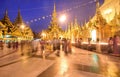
(84,64)
(80,63)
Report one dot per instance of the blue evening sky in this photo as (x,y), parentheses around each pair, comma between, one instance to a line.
(37,13)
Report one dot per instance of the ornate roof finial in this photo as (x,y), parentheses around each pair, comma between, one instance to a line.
(6,21)
(54,15)
(75,21)
(19,16)
(6,14)
(54,7)
(97,6)
(18,19)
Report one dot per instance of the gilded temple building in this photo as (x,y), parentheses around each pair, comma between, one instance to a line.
(7,30)
(54,30)
(1,30)
(110,8)
(106,21)
(111,12)
(14,31)
(23,29)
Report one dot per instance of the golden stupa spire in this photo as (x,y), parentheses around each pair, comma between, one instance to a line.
(75,21)
(18,19)
(97,7)
(6,15)
(54,7)
(54,15)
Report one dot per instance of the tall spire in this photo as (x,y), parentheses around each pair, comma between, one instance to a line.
(97,4)
(19,16)
(6,15)
(18,19)
(97,7)
(54,16)
(99,16)
(6,21)
(54,7)
(75,22)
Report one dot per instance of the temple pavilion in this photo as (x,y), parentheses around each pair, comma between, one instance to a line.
(14,31)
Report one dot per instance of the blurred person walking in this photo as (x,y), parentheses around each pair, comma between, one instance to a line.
(110,45)
(22,47)
(1,45)
(115,46)
(42,46)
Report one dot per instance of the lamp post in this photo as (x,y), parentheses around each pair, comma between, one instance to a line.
(63,19)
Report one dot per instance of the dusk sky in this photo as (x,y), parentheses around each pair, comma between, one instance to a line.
(37,13)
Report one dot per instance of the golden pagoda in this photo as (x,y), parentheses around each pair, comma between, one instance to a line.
(23,30)
(7,30)
(99,23)
(14,32)
(1,30)
(109,8)
(111,12)
(54,30)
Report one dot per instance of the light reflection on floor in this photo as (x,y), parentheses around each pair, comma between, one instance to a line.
(63,63)
(105,65)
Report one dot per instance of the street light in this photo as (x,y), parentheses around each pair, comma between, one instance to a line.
(22,26)
(62,18)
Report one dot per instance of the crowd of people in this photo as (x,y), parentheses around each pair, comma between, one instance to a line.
(32,46)
(56,45)
(10,44)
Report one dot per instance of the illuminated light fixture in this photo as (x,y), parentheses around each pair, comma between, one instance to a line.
(7,36)
(43,17)
(93,34)
(62,18)
(22,26)
(108,11)
(35,19)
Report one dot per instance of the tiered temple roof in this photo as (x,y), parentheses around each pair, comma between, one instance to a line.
(15,29)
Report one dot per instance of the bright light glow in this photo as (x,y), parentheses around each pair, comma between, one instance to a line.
(63,68)
(22,26)
(101,43)
(7,36)
(43,34)
(108,11)
(62,18)
(61,36)
(93,34)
